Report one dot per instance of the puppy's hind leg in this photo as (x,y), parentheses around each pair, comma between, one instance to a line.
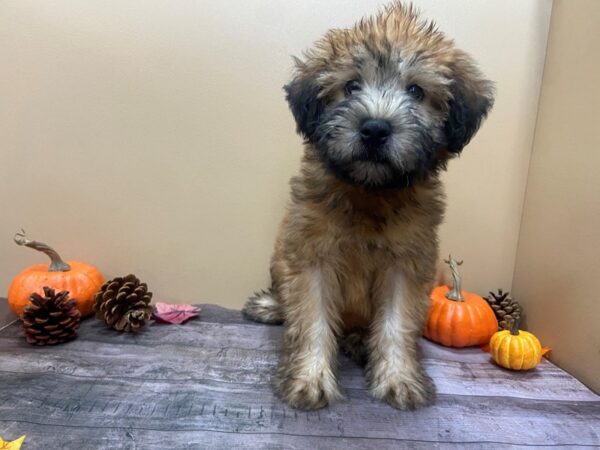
(264,307)
(353,344)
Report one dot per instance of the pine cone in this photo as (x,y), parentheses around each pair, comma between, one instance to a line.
(51,319)
(505,307)
(123,303)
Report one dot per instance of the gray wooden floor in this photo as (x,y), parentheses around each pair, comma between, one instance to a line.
(206,385)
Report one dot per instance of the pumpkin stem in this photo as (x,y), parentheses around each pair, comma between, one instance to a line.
(514,326)
(56,262)
(455,293)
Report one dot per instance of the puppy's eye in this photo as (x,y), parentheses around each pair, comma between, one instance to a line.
(416,92)
(351,87)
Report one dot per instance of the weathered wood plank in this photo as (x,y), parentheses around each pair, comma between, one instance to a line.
(246,353)
(92,438)
(206,385)
(54,399)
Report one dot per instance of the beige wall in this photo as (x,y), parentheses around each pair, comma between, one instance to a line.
(152,136)
(558,262)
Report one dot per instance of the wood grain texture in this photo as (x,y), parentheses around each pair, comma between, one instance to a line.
(206,384)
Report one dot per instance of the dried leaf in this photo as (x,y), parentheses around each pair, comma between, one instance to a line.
(11,445)
(175,314)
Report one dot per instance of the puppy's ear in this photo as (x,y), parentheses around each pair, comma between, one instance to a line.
(473,97)
(302,94)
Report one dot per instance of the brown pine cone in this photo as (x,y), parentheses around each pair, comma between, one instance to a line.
(123,303)
(51,319)
(505,307)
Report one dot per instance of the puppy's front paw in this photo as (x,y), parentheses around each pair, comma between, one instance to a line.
(307,391)
(404,392)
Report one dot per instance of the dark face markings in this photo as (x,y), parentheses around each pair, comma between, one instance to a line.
(379,93)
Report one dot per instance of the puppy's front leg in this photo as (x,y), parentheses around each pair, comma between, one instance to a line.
(306,378)
(394,371)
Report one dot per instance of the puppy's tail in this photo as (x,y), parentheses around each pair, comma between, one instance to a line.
(264,307)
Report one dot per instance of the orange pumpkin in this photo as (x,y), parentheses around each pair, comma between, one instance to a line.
(80,279)
(457,318)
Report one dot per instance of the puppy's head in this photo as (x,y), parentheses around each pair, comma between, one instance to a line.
(387,102)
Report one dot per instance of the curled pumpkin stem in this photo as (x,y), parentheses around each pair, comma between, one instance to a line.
(455,293)
(514,326)
(56,262)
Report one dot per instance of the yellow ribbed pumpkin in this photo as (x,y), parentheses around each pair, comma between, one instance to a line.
(515,349)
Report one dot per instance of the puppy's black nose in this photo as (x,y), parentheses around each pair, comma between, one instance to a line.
(375,132)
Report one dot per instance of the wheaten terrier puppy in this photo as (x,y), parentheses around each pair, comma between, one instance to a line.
(382,107)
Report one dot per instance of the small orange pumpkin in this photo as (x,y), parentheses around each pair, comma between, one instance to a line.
(516,349)
(457,318)
(80,279)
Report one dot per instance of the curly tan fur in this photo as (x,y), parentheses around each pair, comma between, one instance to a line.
(354,254)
